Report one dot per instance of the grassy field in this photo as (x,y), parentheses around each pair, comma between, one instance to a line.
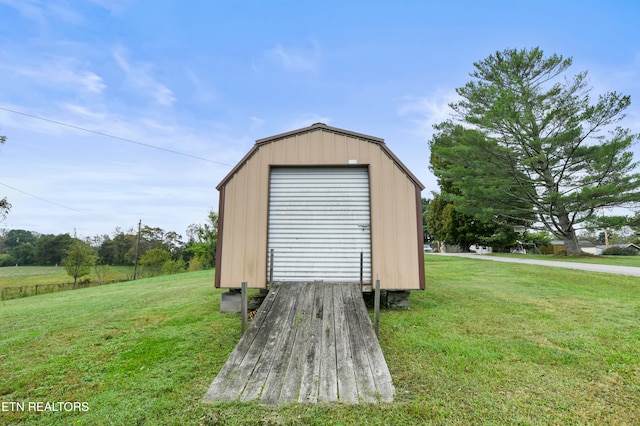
(12,276)
(509,344)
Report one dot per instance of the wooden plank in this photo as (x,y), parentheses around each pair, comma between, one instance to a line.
(274,381)
(347,388)
(293,375)
(269,343)
(379,368)
(237,379)
(309,388)
(361,367)
(328,363)
(271,339)
(217,389)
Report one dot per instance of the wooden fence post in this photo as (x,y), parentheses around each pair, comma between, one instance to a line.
(244,303)
(376,307)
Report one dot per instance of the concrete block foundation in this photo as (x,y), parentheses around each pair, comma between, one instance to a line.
(231,302)
(398,299)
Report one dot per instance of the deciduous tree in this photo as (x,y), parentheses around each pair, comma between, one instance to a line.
(203,241)
(114,251)
(51,249)
(153,260)
(79,260)
(24,254)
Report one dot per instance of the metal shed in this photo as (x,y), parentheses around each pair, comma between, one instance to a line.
(320,204)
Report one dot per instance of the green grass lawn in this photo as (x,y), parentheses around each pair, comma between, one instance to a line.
(484,344)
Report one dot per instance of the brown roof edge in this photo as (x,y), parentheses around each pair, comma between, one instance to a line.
(321,126)
(421,277)
(237,167)
(401,165)
(218,276)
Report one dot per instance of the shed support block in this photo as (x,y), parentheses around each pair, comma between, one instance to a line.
(398,299)
(231,302)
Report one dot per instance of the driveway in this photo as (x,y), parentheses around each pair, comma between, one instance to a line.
(607,269)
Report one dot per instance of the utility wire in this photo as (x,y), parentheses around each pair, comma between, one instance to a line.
(44,199)
(60,123)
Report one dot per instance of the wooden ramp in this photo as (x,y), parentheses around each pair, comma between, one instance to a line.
(309,342)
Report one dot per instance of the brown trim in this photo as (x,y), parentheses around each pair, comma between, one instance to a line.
(402,167)
(237,167)
(317,166)
(371,251)
(220,237)
(420,239)
(266,240)
(319,126)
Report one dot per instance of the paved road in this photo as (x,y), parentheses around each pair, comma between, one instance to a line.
(607,269)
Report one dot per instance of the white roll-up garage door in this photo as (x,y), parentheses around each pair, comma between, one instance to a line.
(319,223)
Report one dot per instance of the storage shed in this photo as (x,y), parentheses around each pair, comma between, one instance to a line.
(320,204)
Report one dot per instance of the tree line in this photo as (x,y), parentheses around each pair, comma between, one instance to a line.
(153,249)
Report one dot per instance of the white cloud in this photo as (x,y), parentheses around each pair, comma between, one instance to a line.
(29,9)
(201,91)
(40,12)
(426,111)
(63,12)
(257,122)
(305,120)
(163,95)
(84,111)
(297,59)
(59,71)
(113,6)
(140,78)
(92,82)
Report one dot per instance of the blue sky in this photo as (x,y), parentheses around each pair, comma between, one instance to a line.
(209,78)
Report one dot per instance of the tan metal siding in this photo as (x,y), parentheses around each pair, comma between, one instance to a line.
(245,221)
(394,230)
(393,226)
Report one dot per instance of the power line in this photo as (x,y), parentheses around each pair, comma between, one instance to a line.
(60,123)
(44,199)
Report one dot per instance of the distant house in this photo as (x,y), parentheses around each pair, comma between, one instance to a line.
(557,247)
